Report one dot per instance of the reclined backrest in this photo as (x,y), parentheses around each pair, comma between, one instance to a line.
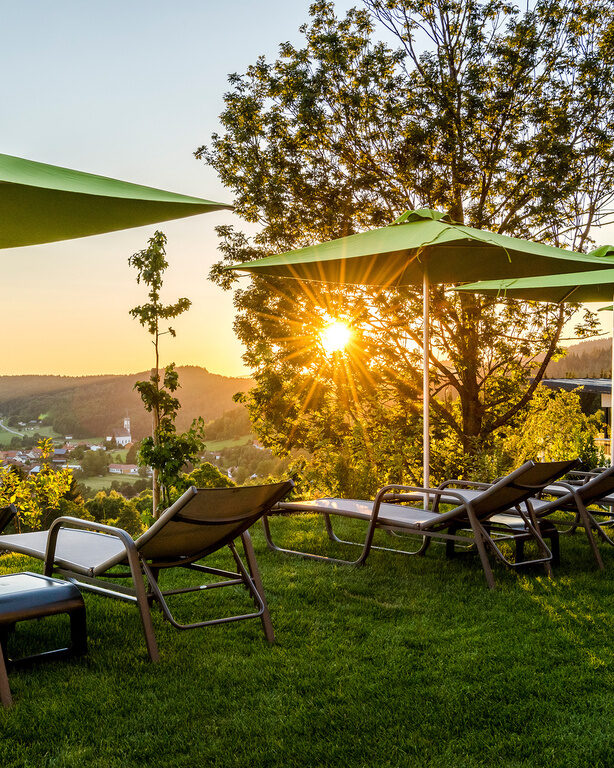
(6,515)
(597,487)
(515,488)
(205,519)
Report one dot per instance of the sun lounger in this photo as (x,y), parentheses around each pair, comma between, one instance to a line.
(386,512)
(580,500)
(199,523)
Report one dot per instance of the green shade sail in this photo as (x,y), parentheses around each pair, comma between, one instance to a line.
(42,203)
(398,254)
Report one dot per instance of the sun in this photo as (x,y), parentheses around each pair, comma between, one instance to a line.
(335,336)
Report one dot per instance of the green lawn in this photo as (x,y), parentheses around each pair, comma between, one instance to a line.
(405,662)
(231,442)
(5,439)
(118,455)
(104,482)
(6,436)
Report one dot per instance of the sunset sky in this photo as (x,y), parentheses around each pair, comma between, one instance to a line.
(128,90)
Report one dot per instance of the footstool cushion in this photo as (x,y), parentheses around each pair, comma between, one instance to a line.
(28,595)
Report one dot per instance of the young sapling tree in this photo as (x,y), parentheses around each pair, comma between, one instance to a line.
(166,451)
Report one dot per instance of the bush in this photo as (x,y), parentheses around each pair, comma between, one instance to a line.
(113,509)
(205,475)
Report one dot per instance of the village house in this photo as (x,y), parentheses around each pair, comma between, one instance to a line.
(124,469)
(59,457)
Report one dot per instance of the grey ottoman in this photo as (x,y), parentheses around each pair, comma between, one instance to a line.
(32,596)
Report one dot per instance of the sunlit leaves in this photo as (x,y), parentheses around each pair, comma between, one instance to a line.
(36,493)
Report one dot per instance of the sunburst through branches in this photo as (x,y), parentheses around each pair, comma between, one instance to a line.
(335,336)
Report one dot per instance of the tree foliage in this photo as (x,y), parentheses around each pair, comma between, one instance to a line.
(499,116)
(205,475)
(34,495)
(556,429)
(112,508)
(94,463)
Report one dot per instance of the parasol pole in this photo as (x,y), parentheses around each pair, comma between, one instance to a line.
(426,442)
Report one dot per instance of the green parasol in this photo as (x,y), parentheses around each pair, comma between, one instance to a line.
(421,247)
(42,203)
(577,286)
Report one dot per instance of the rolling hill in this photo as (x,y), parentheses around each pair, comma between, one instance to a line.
(87,406)
(588,359)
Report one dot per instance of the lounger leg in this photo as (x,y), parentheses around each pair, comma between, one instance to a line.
(143,604)
(479,542)
(267,532)
(78,632)
(519,550)
(252,565)
(152,573)
(588,527)
(329,528)
(5,691)
(541,543)
(550,532)
(450,553)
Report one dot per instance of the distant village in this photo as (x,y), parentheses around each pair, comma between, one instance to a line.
(71,453)
(110,456)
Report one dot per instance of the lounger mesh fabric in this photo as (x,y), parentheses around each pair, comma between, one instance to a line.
(206,520)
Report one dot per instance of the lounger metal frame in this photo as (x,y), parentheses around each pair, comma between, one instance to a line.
(143,593)
(573,501)
(546,530)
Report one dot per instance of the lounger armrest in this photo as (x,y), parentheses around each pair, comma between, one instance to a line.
(567,487)
(77,522)
(384,494)
(465,484)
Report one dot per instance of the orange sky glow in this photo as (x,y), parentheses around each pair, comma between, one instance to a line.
(93,93)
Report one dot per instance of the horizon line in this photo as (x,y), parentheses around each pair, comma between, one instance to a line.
(124,373)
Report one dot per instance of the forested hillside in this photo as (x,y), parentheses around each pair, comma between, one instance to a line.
(588,359)
(87,406)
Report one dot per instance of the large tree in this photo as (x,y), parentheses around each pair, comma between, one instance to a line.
(500,117)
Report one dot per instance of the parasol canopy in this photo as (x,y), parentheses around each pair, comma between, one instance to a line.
(419,248)
(424,239)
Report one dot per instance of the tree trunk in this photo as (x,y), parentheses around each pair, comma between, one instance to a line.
(155,485)
(471,405)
